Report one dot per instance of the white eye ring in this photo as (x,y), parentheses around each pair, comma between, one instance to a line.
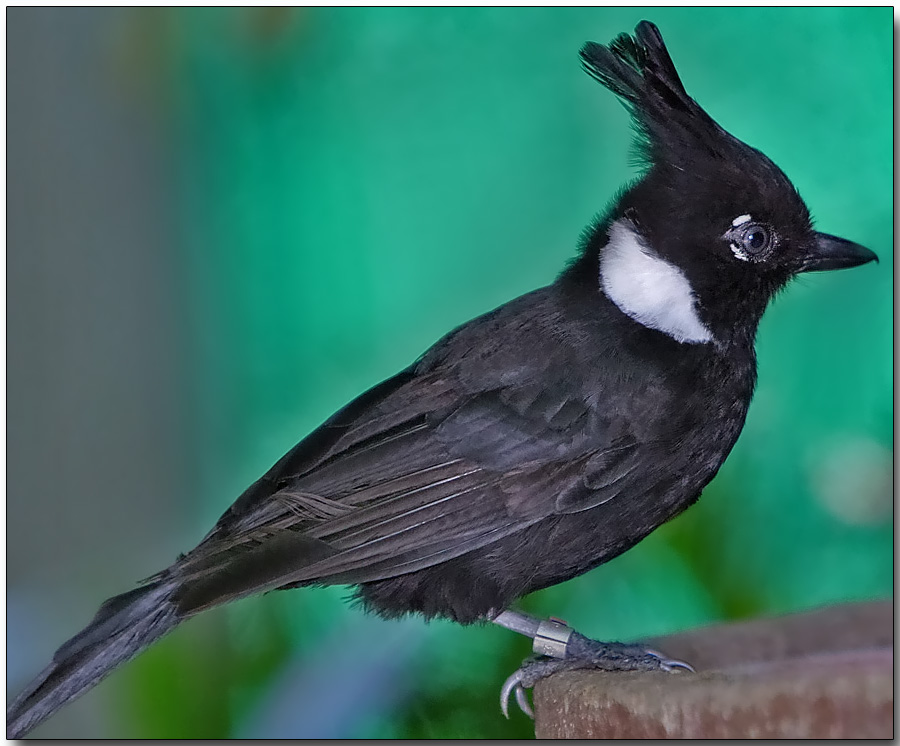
(751,241)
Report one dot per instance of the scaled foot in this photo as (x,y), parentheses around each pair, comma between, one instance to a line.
(580,652)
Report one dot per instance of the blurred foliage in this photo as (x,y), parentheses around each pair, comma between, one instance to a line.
(354,182)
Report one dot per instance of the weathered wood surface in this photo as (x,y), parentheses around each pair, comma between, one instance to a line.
(821,674)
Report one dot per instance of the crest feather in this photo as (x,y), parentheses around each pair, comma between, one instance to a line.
(639,70)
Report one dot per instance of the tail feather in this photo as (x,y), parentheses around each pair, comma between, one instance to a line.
(127,624)
(123,627)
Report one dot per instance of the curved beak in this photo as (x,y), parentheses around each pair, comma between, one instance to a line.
(831,252)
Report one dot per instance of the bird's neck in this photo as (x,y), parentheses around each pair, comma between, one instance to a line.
(618,262)
(648,289)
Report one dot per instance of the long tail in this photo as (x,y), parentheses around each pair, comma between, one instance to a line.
(121,629)
(216,572)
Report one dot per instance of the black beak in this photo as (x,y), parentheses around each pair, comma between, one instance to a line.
(831,252)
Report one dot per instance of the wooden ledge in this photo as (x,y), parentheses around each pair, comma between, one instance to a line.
(821,674)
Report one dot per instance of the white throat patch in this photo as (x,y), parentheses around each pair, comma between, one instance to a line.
(647,288)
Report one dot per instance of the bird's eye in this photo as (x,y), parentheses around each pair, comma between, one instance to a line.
(751,241)
(756,238)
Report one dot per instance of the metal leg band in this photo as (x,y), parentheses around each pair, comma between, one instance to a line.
(551,639)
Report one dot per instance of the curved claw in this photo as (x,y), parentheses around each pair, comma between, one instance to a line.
(670,664)
(508,687)
(514,685)
(522,701)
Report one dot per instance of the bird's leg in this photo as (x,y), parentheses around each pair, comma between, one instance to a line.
(558,647)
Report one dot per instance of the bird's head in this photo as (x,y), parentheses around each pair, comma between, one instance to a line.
(701,243)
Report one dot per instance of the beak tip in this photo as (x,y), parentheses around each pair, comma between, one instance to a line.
(869,256)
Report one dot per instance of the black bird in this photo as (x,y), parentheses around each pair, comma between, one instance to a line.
(534,442)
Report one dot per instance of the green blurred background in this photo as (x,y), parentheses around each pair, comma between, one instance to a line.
(224,224)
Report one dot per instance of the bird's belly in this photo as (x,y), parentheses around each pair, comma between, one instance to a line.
(582,541)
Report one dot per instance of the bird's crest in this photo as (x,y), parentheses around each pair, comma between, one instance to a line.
(670,124)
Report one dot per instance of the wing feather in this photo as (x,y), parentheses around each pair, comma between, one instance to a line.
(453,454)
